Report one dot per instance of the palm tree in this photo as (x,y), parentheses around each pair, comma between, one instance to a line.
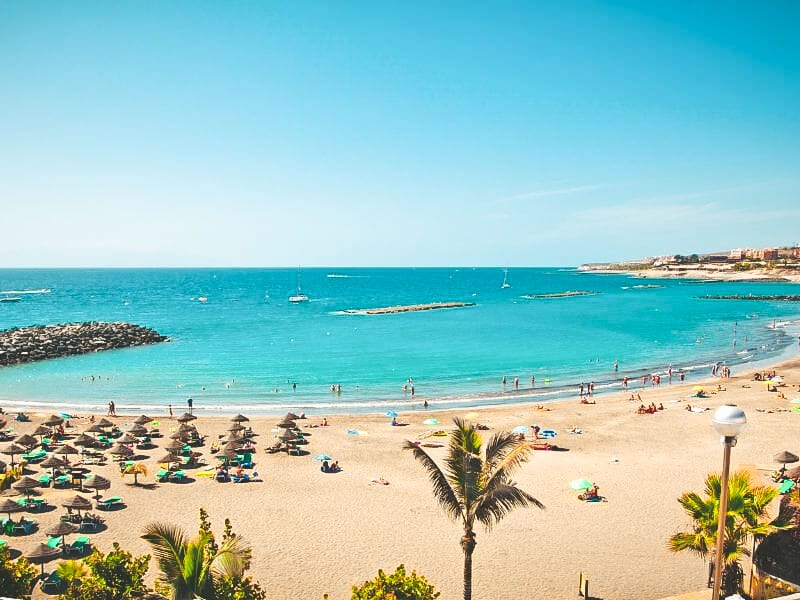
(474,487)
(135,469)
(746,517)
(190,567)
(71,570)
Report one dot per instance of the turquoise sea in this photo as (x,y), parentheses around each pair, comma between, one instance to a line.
(243,348)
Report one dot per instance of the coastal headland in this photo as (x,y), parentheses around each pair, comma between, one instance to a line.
(28,344)
(390,310)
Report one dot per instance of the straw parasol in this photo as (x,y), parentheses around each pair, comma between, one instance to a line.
(84,440)
(785,457)
(287,424)
(97,483)
(793,473)
(185,428)
(120,449)
(9,506)
(290,416)
(53,462)
(12,449)
(138,430)
(240,418)
(77,502)
(129,439)
(105,423)
(42,554)
(235,427)
(143,420)
(53,421)
(175,446)
(169,459)
(62,528)
(288,435)
(96,428)
(41,431)
(25,485)
(185,418)
(65,450)
(27,440)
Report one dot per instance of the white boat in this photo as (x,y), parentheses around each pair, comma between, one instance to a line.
(505,285)
(299,297)
(9,299)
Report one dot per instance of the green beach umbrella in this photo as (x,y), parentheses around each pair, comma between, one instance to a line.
(431,421)
(322,457)
(580,484)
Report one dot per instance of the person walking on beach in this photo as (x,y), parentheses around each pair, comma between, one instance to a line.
(112,410)
(516,383)
(616,366)
(170,411)
(533,381)
(189,403)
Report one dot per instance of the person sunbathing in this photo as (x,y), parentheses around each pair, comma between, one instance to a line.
(380,480)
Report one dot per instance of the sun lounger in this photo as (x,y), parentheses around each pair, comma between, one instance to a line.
(54,541)
(92,526)
(45,479)
(62,481)
(53,583)
(178,476)
(34,456)
(80,546)
(786,486)
(162,475)
(109,503)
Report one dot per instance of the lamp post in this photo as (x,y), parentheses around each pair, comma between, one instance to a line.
(728,420)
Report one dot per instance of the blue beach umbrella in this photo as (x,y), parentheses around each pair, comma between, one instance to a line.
(391,413)
(322,457)
(431,421)
(580,484)
(520,429)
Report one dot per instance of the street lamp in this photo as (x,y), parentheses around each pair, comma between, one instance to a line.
(728,420)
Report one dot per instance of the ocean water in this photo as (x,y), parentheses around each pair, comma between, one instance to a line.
(245,346)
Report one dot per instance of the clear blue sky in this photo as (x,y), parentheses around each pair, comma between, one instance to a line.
(375,133)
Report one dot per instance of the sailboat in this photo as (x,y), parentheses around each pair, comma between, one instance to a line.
(505,285)
(299,297)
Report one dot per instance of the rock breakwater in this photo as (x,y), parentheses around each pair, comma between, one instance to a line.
(28,344)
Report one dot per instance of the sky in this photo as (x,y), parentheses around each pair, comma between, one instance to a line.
(393,134)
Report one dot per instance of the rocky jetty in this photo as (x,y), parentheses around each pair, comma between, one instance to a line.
(787,298)
(28,344)
(391,310)
(567,294)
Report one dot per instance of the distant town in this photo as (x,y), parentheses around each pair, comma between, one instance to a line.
(739,264)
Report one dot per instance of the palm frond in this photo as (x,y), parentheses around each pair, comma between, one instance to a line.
(169,545)
(232,558)
(442,491)
(513,454)
(501,500)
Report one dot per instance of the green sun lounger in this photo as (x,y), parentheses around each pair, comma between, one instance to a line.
(79,546)
(53,583)
(786,486)
(3,543)
(35,455)
(45,479)
(110,502)
(162,475)
(54,541)
(178,476)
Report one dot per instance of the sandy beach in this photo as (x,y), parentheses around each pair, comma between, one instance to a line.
(315,533)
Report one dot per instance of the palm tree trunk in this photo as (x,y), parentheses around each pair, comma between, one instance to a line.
(468,546)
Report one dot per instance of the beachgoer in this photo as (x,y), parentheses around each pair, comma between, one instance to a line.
(170,411)
(425,403)
(616,366)
(189,403)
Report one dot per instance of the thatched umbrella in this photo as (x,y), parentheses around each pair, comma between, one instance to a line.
(781,457)
(84,440)
(235,428)
(138,430)
(185,418)
(77,502)
(290,416)
(42,554)
(186,428)
(12,449)
(53,421)
(66,449)
(794,473)
(169,458)
(53,462)
(96,428)
(175,446)
(25,485)
(120,449)
(128,439)
(62,528)
(143,420)
(41,431)
(287,424)
(97,483)
(8,506)
(27,440)
(240,418)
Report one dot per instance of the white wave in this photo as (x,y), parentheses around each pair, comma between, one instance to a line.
(340,276)
(20,292)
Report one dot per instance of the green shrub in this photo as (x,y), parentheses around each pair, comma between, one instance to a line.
(397,586)
(16,576)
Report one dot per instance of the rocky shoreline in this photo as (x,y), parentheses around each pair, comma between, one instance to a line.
(390,310)
(29,344)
